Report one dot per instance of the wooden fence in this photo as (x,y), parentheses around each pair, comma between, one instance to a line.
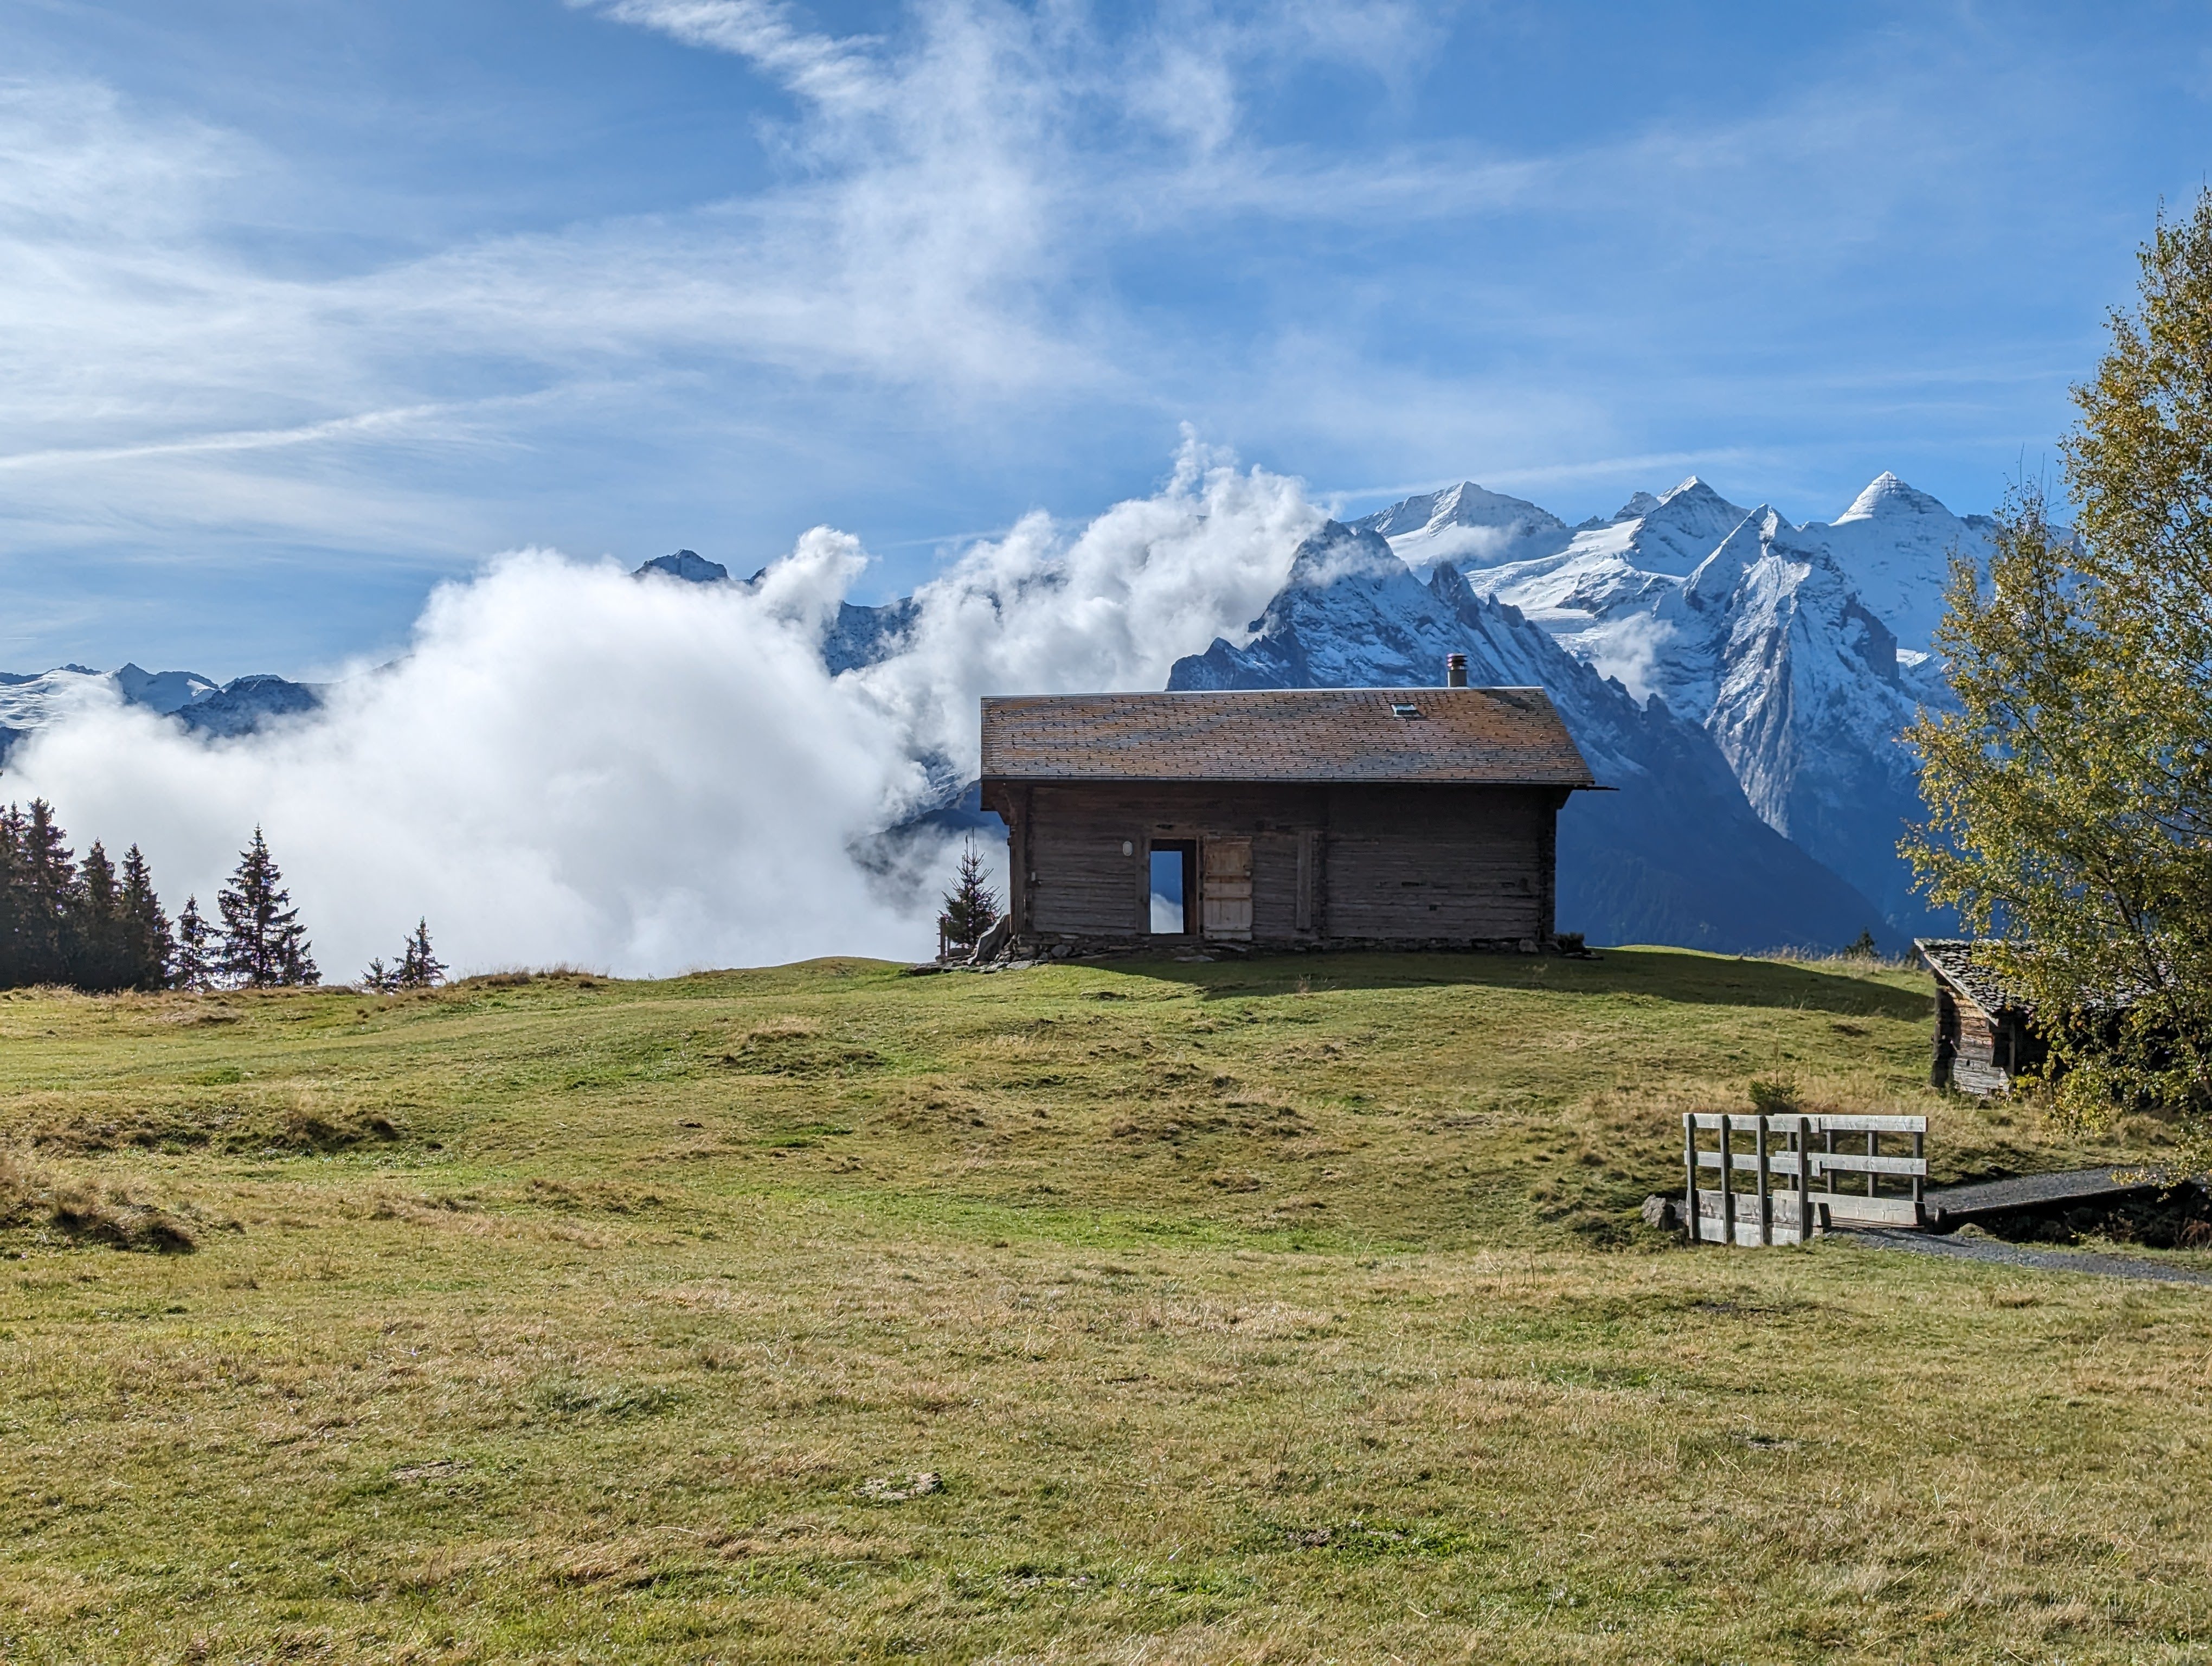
(1794,1166)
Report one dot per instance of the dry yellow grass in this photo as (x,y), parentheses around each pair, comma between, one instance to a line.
(1221,1319)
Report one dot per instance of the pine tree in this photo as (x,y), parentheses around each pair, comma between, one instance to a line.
(12,897)
(2070,796)
(47,886)
(379,976)
(971,908)
(94,926)
(264,943)
(419,968)
(148,943)
(192,966)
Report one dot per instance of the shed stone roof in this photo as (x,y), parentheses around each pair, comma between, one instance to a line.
(1488,737)
(1959,961)
(1955,961)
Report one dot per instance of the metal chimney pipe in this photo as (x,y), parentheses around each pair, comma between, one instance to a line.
(1455,671)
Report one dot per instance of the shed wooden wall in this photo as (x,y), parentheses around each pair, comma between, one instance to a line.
(1975,1053)
(1407,863)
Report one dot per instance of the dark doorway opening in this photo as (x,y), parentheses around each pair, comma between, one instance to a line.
(1173,889)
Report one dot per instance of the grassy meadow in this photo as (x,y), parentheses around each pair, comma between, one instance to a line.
(1285,1311)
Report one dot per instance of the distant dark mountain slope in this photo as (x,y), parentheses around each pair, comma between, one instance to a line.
(245,705)
(861,636)
(1675,855)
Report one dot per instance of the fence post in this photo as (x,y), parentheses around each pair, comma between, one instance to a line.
(1873,1150)
(1804,1180)
(1920,1180)
(1766,1192)
(1690,1165)
(1728,1180)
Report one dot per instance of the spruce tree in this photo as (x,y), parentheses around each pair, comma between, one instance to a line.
(419,968)
(379,976)
(264,943)
(46,892)
(94,926)
(971,908)
(148,943)
(193,964)
(11,897)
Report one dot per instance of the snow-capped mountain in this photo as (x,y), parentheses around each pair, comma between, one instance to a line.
(31,700)
(1894,546)
(1469,526)
(1800,650)
(1674,855)
(1741,679)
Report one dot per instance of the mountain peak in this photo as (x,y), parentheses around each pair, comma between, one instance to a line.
(688,565)
(1887,495)
(1466,504)
(1694,490)
(1469,523)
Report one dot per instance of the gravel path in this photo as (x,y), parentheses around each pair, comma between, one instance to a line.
(2018,1255)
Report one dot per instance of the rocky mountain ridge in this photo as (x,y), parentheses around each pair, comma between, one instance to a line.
(1803,650)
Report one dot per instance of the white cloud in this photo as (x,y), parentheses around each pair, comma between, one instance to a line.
(570,764)
(820,66)
(988,236)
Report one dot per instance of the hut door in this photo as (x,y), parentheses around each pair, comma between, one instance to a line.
(1226,891)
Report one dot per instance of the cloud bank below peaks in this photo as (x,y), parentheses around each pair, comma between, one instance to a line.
(572,765)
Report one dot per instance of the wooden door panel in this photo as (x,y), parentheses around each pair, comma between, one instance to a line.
(1226,888)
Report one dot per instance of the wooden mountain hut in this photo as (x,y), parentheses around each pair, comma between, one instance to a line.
(1280,818)
(1984,1033)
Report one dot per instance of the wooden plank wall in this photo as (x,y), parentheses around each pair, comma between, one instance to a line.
(1386,862)
(1409,861)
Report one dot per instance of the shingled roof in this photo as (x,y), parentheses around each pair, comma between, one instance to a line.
(1955,960)
(1494,737)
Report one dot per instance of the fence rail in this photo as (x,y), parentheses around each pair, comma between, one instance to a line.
(1783,1204)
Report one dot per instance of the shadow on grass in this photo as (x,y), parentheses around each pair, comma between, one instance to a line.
(1660,974)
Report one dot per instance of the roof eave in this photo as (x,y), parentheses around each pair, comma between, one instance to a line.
(991,779)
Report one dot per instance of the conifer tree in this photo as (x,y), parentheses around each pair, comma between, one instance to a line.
(419,968)
(379,976)
(193,964)
(11,897)
(971,908)
(148,943)
(92,927)
(264,943)
(46,886)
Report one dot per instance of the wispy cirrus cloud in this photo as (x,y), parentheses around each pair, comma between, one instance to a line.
(822,67)
(993,255)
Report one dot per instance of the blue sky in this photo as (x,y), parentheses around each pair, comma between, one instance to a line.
(307,305)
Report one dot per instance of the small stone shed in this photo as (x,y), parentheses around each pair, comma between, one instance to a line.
(1984,1033)
(1280,818)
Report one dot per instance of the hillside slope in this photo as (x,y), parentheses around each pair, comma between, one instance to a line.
(1206,1313)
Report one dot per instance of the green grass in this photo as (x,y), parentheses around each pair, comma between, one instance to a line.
(1295,1310)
